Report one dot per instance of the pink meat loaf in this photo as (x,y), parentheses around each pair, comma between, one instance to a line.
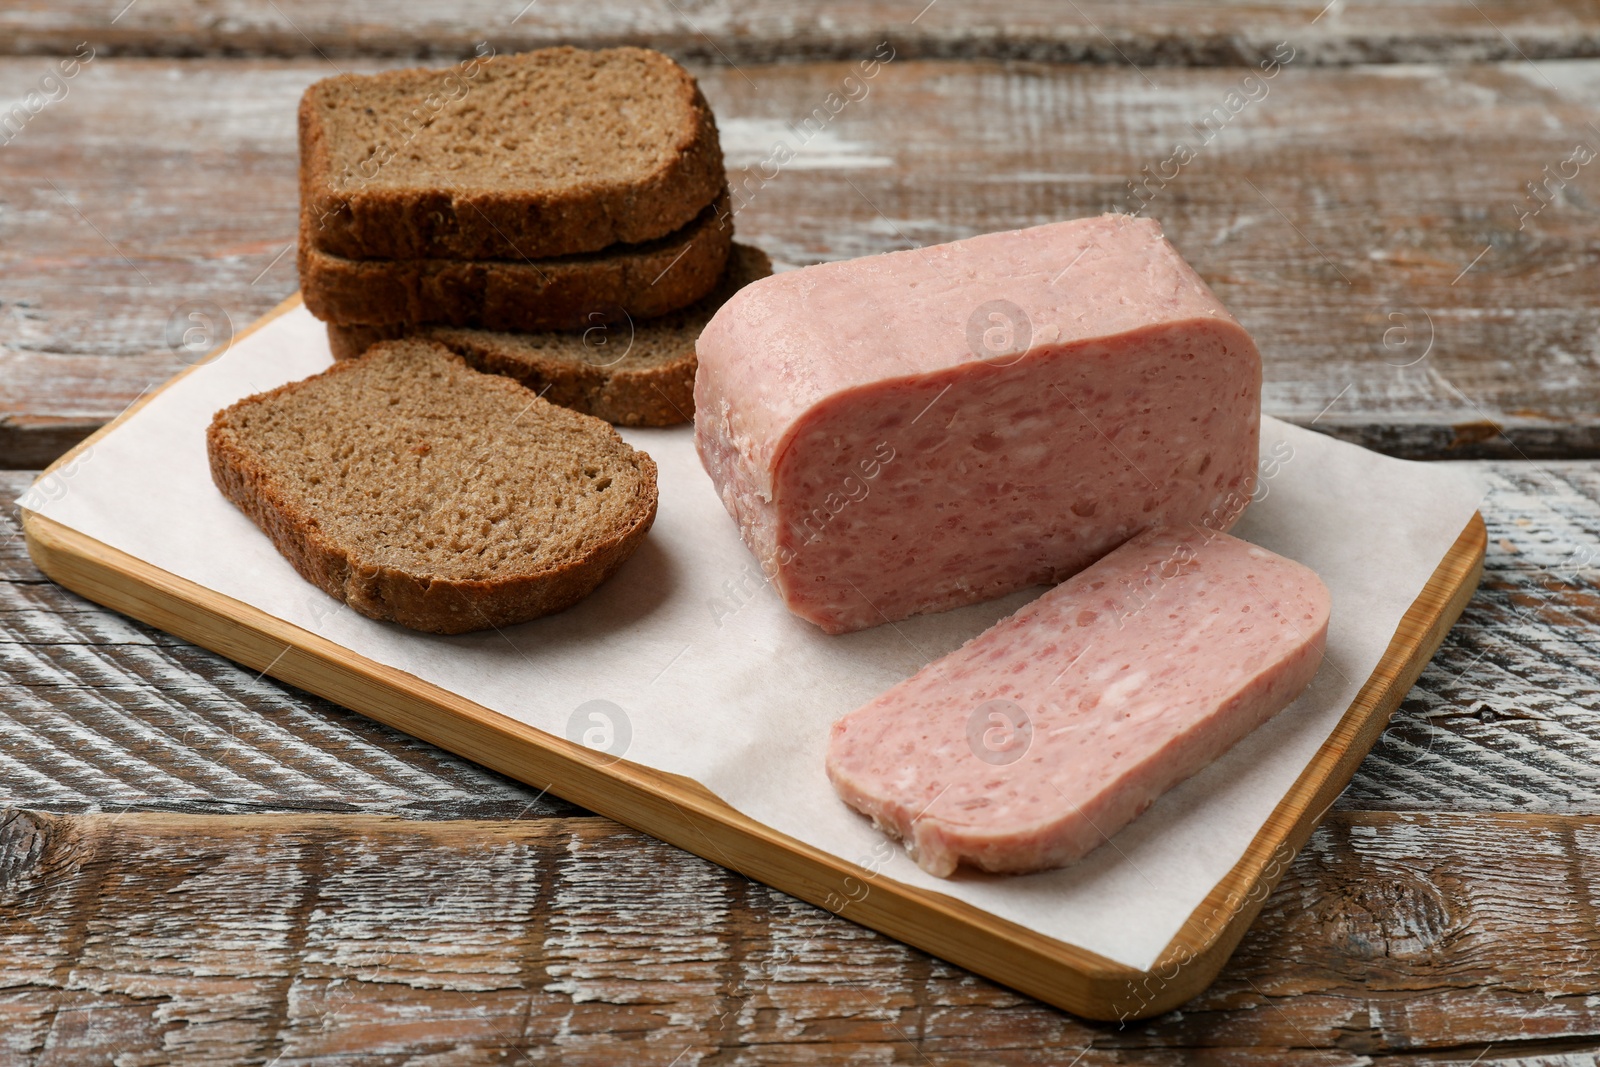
(1035,741)
(910,432)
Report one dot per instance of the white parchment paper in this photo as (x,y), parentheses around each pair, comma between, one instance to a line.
(694,667)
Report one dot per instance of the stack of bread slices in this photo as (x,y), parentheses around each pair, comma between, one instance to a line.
(509,254)
(560,217)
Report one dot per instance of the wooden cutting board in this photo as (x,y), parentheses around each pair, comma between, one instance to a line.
(684,813)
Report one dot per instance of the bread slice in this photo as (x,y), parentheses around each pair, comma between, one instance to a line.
(547,153)
(420,491)
(630,373)
(567,293)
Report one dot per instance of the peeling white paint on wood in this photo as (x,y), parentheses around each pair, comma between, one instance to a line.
(1506,717)
(757,31)
(106,713)
(1383,215)
(156,939)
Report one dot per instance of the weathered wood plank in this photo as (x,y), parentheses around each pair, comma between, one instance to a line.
(1339,227)
(102,711)
(1507,716)
(176,939)
(1147,32)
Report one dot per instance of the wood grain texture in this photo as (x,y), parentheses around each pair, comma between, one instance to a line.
(1395,938)
(684,813)
(1338,216)
(101,712)
(1505,718)
(335,939)
(1148,32)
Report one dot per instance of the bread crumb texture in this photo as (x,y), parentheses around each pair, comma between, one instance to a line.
(422,491)
(632,372)
(551,152)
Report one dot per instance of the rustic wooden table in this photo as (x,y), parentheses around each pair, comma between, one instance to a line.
(200,864)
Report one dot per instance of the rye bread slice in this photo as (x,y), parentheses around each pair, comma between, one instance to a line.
(629,373)
(547,153)
(422,492)
(565,293)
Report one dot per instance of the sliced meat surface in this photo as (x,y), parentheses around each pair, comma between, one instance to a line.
(911,432)
(1037,740)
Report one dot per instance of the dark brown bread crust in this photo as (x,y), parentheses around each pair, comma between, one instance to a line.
(419,601)
(364,220)
(570,293)
(660,393)
(661,396)
(351,342)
